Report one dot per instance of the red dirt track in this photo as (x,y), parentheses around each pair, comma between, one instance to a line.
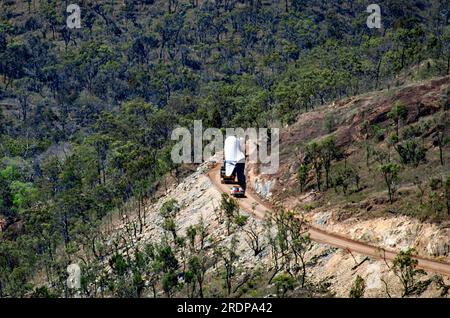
(258,208)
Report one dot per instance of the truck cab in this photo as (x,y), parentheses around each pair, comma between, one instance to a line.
(224,178)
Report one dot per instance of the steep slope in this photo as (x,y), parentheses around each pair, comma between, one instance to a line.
(259,209)
(199,198)
(364,211)
(355,233)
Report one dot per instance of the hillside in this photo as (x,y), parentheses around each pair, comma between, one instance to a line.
(365,137)
(330,271)
(86,117)
(197,222)
(357,202)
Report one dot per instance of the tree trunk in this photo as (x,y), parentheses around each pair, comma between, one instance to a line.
(200,287)
(377,75)
(327,177)
(448,65)
(389,188)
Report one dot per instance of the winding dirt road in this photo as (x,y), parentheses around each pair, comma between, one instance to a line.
(254,205)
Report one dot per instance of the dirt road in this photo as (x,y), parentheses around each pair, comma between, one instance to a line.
(253,204)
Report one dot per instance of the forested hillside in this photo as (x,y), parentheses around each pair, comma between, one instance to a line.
(86,114)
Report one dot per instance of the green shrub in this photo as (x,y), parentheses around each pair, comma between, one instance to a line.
(358,288)
(330,123)
(283,283)
(169,208)
(241,220)
(411,152)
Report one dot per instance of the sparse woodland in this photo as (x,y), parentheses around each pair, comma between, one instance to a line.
(86,117)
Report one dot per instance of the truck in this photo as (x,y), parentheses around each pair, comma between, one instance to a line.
(233,168)
(224,178)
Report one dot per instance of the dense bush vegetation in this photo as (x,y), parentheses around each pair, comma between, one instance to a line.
(86,115)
